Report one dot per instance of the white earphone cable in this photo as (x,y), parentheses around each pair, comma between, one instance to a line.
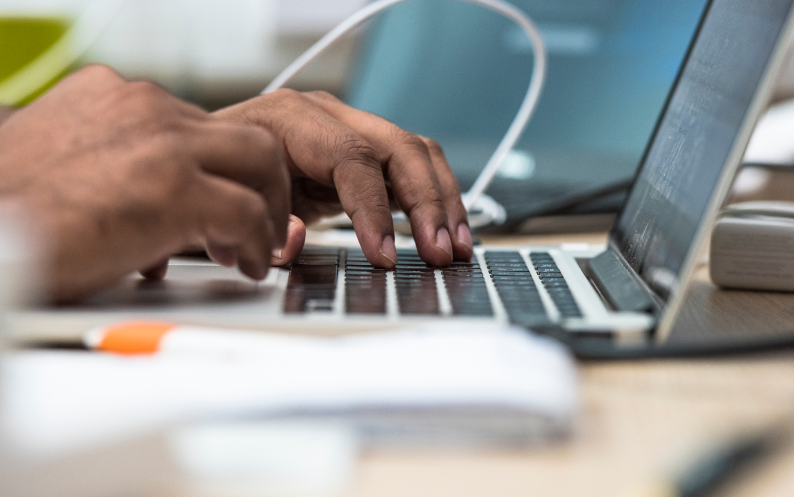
(519,124)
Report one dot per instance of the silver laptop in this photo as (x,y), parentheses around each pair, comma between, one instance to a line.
(631,288)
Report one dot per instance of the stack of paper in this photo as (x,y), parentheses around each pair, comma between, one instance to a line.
(459,385)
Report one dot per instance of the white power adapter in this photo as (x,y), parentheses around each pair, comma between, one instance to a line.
(752,247)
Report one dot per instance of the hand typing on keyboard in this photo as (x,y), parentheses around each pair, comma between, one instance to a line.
(119,175)
(344,159)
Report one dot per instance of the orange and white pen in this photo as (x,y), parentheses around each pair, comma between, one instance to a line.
(140,337)
(152,337)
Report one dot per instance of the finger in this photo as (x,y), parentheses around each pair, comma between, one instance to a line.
(312,201)
(413,177)
(362,191)
(156,272)
(235,217)
(323,149)
(457,217)
(221,254)
(250,156)
(296,237)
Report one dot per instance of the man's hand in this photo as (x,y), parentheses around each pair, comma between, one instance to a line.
(122,175)
(342,158)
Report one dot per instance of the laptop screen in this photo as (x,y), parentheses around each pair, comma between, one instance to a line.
(457,72)
(695,137)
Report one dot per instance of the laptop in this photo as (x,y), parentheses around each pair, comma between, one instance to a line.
(456,72)
(631,288)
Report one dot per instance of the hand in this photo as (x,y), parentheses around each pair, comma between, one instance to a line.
(344,159)
(121,175)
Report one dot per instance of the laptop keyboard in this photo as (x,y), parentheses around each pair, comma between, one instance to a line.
(312,281)
(555,284)
(414,287)
(516,286)
(365,286)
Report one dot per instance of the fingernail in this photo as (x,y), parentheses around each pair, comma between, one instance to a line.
(277,254)
(464,235)
(388,250)
(443,241)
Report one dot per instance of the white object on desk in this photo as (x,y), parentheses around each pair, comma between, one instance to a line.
(429,385)
(254,459)
(751,246)
(772,141)
(128,466)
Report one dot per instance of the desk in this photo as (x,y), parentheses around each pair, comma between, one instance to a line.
(635,416)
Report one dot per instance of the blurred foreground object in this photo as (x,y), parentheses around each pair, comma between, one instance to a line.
(23,40)
(129,466)
(214,52)
(44,68)
(710,467)
(435,385)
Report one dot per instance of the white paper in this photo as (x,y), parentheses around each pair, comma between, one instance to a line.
(55,400)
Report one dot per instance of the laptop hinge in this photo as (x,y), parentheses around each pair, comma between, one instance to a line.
(617,284)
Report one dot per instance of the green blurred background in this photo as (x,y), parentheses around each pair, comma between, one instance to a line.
(23,39)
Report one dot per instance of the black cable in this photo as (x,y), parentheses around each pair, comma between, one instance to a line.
(565,204)
(609,350)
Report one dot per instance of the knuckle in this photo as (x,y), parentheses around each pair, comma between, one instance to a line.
(168,180)
(98,72)
(146,106)
(428,201)
(323,96)
(167,161)
(288,95)
(263,144)
(147,93)
(433,146)
(262,141)
(410,140)
(167,146)
(436,203)
(357,151)
(138,98)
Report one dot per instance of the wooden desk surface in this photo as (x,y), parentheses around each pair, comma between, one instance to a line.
(635,418)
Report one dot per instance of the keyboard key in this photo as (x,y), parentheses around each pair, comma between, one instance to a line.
(312,282)
(415,283)
(468,294)
(365,286)
(516,287)
(555,284)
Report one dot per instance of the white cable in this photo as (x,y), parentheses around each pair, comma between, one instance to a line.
(473,197)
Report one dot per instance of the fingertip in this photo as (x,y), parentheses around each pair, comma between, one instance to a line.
(380,252)
(443,241)
(253,269)
(444,246)
(388,251)
(296,238)
(223,255)
(463,243)
(434,246)
(156,272)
